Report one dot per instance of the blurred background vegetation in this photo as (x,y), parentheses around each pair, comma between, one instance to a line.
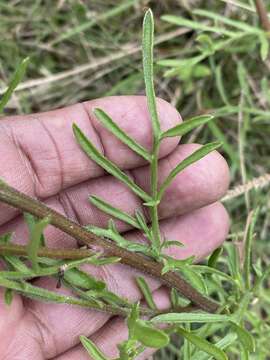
(211,57)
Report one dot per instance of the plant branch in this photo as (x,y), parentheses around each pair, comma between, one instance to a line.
(25,203)
(262,13)
(67,254)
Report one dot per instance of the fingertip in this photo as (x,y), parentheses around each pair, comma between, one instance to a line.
(210,222)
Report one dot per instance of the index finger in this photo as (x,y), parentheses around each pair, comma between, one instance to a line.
(39,155)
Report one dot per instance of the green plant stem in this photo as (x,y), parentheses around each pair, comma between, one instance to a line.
(25,203)
(154,190)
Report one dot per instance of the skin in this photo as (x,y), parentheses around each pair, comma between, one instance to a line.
(40,157)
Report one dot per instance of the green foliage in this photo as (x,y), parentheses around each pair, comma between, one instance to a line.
(150,336)
(111,210)
(36,233)
(203,344)
(92,349)
(142,284)
(106,164)
(194,157)
(16,79)
(147,45)
(187,126)
(221,62)
(109,124)
(176,318)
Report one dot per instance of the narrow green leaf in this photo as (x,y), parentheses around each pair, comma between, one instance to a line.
(174,298)
(92,349)
(196,25)
(110,125)
(186,126)
(23,272)
(113,211)
(16,79)
(210,270)
(35,240)
(16,263)
(264,49)
(150,336)
(241,25)
(146,292)
(31,221)
(212,261)
(114,235)
(178,300)
(111,298)
(195,156)
(203,344)
(244,336)
(168,243)
(142,223)
(106,164)
(8,296)
(222,344)
(220,84)
(194,278)
(83,280)
(248,244)
(197,317)
(132,318)
(41,294)
(148,45)
(233,260)
(104,261)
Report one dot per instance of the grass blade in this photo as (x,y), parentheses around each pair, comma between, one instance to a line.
(203,344)
(148,45)
(186,126)
(240,25)
(16,79)
(110,125)
(113,211)
(248,244)
(106,164)
(146,292)
(176,318)
(92,349)
(194,157)
(94,20)
(196,25)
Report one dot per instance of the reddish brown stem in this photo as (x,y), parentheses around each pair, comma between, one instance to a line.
(25,203)
(262,13)
(67,254)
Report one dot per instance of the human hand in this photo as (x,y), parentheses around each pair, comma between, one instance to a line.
(39,156)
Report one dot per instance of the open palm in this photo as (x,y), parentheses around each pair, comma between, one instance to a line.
(40,157)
